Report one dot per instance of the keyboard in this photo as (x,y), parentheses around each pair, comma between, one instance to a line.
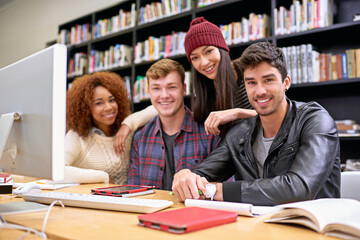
(137,205)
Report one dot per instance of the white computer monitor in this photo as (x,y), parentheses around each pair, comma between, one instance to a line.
(34,89)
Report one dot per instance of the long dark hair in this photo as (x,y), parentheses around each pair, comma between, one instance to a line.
(209,98)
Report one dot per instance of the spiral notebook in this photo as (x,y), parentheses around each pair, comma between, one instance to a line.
(187,219)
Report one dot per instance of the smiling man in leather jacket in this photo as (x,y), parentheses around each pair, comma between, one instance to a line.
(289,152)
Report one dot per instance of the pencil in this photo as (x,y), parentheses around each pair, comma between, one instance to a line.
(172,193)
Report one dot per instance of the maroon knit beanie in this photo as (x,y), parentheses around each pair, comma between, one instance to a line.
(203,33)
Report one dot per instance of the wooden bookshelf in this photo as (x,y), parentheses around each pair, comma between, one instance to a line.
(340,97)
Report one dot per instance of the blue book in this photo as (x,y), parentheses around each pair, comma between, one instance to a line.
(344,66)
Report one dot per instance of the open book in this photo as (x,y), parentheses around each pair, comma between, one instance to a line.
(333,217)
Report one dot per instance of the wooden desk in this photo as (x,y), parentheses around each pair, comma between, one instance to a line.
(81,223)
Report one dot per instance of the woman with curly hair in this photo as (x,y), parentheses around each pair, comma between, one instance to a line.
(96,105)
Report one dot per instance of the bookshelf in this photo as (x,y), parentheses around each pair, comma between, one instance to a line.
(341,97)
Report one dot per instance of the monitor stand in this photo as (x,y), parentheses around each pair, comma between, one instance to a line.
(6,122)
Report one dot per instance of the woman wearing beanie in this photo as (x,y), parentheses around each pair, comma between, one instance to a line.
(220,92)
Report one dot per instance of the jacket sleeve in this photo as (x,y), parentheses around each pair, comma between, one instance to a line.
(313,163)
(221,158)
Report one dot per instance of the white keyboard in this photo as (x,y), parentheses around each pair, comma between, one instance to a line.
(100,202)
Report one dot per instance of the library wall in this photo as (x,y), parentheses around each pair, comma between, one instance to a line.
(26,26)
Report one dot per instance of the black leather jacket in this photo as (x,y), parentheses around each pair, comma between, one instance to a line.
(303,161)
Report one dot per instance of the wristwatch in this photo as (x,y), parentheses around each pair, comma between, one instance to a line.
(210,190)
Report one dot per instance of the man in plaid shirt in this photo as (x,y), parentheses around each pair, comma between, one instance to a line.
(172,140)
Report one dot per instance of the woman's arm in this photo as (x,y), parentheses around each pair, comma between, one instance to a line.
(131,124)
(81,175)
(217,118)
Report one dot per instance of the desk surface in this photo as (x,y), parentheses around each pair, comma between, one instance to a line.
(81,223)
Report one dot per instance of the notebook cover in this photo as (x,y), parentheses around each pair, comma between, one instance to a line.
(186,219)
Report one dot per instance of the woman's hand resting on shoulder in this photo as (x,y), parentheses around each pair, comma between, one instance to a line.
(217,118)
(120,137)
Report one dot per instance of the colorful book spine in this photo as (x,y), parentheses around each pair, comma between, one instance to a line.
(302,16)
(156,48)
(344,66)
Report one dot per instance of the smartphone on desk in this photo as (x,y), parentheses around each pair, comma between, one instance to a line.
(123,190)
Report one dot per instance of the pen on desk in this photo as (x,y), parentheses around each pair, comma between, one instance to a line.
(172,193)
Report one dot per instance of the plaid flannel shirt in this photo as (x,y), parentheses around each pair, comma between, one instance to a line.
(147,155)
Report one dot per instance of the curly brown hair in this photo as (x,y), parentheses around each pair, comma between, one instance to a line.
(79,99)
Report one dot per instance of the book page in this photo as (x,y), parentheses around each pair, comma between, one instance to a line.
(349,229)
(287,217)
(326,211)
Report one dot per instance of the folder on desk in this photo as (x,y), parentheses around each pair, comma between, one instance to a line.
(187,219)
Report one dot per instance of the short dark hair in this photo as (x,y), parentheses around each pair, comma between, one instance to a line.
(259,52)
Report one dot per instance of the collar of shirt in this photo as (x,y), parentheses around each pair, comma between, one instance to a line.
(97,131)
(186,126)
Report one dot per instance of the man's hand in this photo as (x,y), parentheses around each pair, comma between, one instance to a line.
(186,185)
(120,137)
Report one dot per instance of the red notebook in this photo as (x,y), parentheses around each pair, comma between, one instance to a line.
(187,219)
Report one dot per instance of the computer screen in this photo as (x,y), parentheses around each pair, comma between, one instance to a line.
(32,115)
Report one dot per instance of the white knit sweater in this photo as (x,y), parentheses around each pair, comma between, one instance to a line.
(93,160)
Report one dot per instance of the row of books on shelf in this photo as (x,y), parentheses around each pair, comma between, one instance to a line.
(306,65)
(257,26)
(119,55)
(157,10)
(77,34)
(125,19)
(127,80)
(116,56)
(204,3)
(155,48)
(340,66)
(78,65)
(348,128)
(141,90)
(302,63)
(302,16)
